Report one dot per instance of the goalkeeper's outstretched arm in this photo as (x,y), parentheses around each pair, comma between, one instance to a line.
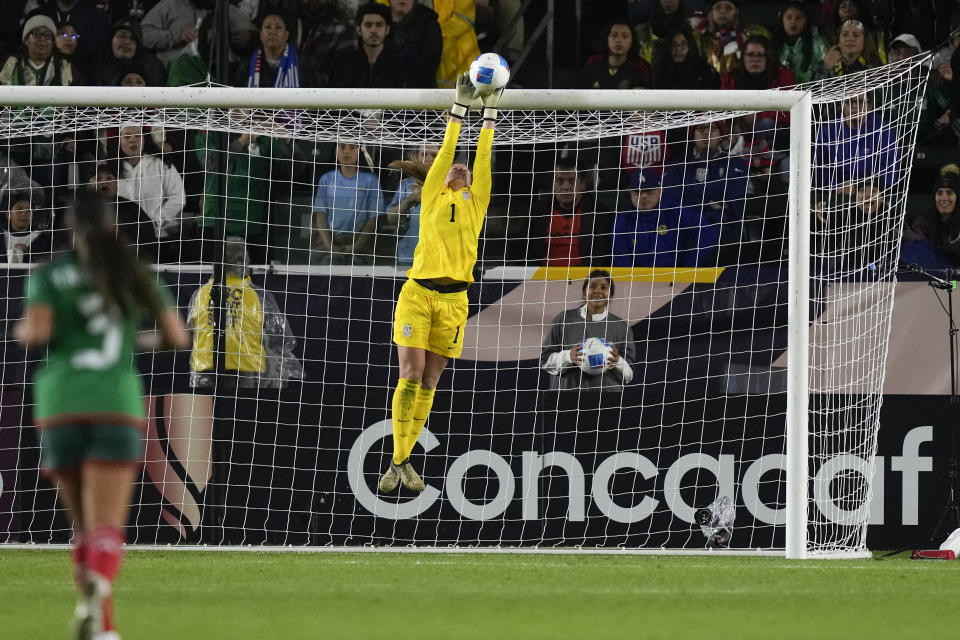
(434,182)
(482,177)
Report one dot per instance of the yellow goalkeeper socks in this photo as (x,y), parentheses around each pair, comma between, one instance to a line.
(404,398)
(421,409)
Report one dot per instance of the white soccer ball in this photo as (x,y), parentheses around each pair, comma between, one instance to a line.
(595,355)
(489,72)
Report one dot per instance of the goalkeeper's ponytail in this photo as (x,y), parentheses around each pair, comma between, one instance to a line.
(415,169)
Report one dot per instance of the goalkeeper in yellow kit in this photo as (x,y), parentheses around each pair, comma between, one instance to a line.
(431,311)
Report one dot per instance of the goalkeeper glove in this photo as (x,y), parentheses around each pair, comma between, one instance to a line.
(466,93)
(490,102)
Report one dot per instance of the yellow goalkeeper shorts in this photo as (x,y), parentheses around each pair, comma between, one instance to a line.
(426,319)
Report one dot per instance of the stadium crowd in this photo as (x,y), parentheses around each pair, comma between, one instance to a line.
(655,198)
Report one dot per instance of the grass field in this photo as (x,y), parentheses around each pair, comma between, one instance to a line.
(240,595)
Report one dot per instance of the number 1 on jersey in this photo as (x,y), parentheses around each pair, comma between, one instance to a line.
(453,211)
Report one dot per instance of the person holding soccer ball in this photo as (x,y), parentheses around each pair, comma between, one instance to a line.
(85,307)
(431,311)
(562,353)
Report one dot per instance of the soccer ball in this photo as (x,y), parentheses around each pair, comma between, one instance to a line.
(596,353)
(489,72)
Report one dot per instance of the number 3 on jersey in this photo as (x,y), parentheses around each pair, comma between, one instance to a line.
(99,322)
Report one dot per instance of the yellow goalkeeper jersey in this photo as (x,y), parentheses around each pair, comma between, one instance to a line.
(450,221)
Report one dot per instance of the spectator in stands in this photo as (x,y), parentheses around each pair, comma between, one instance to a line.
(172,27)
(23,239)
(193,67)
(415,34)
(935,115)
(859,10)
(403,214)
(903,46)
(132,222)
(721,34)
(619,67)
(126,50)
(147,179)
(710,180)
(666,17)
(799,45)
(852,52)
(275,62)
(325,31)
(570,225)
(131,76)
(345,209)
(88,20)
(655,233)
(931,238)
(851,237)
(375,63)
(68,38)
(456,18)
(562,346)
(679,64)
(246,162)
(851,149)
(38,62)
(759,69)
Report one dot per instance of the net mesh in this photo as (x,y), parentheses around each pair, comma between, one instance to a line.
(276,431)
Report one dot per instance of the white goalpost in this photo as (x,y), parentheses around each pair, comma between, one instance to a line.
(758,369)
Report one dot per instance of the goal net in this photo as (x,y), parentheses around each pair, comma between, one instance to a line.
(751,239)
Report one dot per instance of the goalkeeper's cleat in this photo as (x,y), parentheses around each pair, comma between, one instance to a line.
(390,479)
(410,478)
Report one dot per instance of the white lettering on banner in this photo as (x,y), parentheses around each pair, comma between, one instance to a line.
(601,487)
(488,510)
(751,488)
(910,464)
(721,469)
(843,474)
(534,463)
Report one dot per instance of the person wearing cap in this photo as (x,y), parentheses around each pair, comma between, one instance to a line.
(931,238)
(710,180)
(853,51)
(656,233)
(37,62)
(89,20)
(126,50)
(903,46)
(172,28)
(721,34)
(569,225)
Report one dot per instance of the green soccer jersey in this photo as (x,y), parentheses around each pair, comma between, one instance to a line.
(89,375)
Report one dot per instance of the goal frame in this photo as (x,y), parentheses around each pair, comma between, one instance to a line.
(798,102)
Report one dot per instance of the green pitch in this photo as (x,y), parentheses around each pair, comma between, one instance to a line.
(237,595)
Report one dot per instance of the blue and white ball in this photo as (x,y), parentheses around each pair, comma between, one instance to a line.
(596,355)
(489,72)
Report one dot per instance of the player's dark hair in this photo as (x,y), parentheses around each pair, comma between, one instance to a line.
(124,282)
(566,164)
(373,7)
(600,273)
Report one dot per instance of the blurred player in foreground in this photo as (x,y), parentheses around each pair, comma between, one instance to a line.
(86,307)
(431,310)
